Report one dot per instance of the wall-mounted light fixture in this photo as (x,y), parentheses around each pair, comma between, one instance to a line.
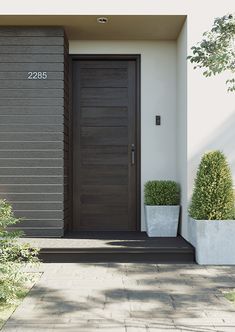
(102,20)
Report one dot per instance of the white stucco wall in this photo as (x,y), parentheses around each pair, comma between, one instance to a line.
(181,122)
(205,110)
(158,97)
(211,109)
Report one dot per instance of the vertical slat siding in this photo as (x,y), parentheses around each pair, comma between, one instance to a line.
(34,128)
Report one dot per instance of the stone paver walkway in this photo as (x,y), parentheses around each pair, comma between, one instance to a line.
(127,297)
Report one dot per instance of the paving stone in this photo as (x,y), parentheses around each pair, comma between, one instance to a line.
(159,329)
(81,327)
(89,314)
(150,306)
(162,325)
(145,297)
(137,328)
(196,324)
(113,306)
(127,297)
(37,327)
(165,321)
(149,315)
(92,328)
(225,328)
(222,313)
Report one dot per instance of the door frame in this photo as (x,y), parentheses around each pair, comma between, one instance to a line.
(137,59)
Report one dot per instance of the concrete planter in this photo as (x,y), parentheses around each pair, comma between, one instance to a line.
(214,241)
(162,220)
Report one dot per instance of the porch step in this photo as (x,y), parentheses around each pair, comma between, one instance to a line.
(126,247)
(68,255)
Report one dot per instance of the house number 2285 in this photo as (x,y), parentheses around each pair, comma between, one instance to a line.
(37,75)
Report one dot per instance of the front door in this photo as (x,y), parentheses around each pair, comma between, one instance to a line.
(104,144)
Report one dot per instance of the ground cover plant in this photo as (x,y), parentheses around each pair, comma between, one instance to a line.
(14,256)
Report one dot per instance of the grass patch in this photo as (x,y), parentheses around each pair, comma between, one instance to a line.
(7,309)
(230,296)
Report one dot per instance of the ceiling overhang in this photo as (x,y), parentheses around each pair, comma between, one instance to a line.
(119,27)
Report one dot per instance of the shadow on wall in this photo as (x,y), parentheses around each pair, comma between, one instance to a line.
(222,139)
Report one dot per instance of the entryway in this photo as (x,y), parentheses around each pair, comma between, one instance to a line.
(106,143)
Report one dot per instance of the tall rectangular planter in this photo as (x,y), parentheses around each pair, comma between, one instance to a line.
(214,241)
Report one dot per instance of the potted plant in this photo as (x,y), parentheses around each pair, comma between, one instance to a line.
(162,208)
(211,223)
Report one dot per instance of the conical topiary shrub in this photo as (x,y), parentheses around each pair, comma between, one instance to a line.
(213,197)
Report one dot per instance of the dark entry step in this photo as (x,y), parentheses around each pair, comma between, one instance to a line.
(115,247)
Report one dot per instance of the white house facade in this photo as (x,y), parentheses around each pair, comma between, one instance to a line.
(44,47)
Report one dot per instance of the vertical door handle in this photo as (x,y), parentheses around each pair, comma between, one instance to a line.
(132,154)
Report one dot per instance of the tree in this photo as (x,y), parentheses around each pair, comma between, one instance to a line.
(216,51)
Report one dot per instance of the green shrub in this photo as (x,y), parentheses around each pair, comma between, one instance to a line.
(213,197)
(161,193)
(13,256)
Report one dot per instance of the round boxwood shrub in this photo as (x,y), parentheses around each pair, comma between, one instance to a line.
(213,197)
(161,193)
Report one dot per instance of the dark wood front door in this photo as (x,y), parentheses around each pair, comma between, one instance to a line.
(105,158)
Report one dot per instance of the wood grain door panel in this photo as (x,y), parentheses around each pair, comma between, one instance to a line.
(102,175)
(104,130)
(106,117)
(104,155)
(104,77)
(104,97)
(108,136)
